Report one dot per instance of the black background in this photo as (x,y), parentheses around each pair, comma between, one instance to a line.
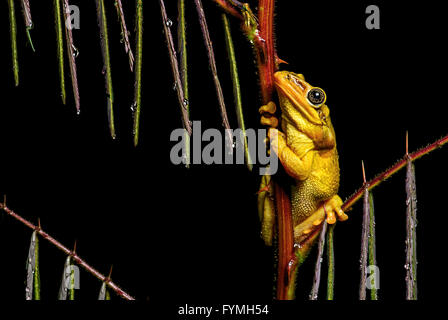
(193,234)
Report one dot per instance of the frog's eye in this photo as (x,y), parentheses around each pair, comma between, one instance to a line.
(316,96)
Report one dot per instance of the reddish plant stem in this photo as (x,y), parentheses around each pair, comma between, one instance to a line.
(68,252)
(285,242)
(397,166)
(266,53)
(225,5)
(266,56)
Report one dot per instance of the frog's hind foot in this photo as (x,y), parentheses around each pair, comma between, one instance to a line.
(267,115)
(329,210)
(333,209)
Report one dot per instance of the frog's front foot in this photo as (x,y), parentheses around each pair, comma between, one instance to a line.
(267,115)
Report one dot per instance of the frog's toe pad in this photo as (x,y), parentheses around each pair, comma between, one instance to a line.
(269,121)
(268,108)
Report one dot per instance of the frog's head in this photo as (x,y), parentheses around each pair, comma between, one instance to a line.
(304,105)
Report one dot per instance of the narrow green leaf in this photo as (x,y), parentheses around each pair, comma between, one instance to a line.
(183,66)
(138,70)
(372,249)
(36,270)
(364,245)
(30,267)
(26,10)
(411,234)
(66,279)
(13,34)
(236,89)
(60,46)
(102,294)
(72,53)
(316,283)
(125,33)
(104,39)
(330,258)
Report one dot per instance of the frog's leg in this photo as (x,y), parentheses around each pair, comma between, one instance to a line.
(266,209)
(330,209)
(267,115)
(298,167)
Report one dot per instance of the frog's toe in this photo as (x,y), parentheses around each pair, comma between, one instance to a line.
(331,216)
(333,209)
(341,214)
(268,108)
(269,121)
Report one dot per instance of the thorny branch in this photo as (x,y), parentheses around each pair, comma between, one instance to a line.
(68,252)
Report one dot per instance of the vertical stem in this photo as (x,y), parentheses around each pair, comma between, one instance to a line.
(266,55)
(236,89)
(104,37)
(330,257)
(411,235)
(372,249)
(60,47)
(138,70)
(13,32)
(182,49)
(364,245)
(286,275)
(316,283)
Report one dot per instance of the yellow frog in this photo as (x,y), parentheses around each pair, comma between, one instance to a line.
(306,147)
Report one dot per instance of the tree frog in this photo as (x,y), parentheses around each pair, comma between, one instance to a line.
(306,147)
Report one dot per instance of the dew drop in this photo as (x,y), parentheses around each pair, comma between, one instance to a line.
(169,23)
(75,51)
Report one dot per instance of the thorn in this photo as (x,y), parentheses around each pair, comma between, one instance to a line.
(280,61)
(38,224)
(4,201)
(264,189)
(110,271)
(407,143)
(74,248)
(363,172)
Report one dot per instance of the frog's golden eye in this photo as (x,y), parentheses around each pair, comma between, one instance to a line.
(316,96)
